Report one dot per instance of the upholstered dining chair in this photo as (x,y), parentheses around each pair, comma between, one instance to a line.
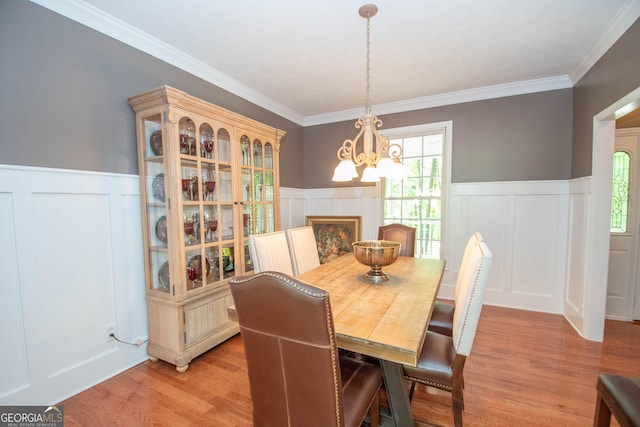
(270,251)
(400,233)
(296,377)
(618,395)
(441,361)
(442,315)
(303,249)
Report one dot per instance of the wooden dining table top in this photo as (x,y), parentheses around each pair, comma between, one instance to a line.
(387,320)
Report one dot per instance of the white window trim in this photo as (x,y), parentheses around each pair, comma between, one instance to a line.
(419,130)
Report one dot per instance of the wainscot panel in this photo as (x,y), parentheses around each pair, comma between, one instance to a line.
(574,302)
(292,202)
(71,244)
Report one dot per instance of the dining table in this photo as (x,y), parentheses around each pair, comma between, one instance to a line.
(385,320)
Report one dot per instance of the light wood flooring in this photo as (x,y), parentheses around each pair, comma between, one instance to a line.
(525,369)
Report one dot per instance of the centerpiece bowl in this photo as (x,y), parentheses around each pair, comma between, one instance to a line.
(376,254)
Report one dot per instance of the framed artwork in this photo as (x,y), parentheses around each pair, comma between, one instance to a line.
(335,235)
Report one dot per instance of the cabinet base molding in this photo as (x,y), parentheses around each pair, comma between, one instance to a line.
(179,332)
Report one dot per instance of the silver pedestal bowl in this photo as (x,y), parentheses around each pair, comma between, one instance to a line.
(376,254)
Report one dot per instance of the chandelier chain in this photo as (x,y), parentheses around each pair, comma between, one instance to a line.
(367,101)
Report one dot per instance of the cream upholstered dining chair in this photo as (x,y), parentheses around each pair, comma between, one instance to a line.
(442,315)
(270,251)
(441,361)
(296,376)
(400,233)
(303,249)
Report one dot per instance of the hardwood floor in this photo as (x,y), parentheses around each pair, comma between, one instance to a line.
(525,369)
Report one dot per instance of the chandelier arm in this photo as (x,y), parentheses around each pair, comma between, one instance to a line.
(348,149)
(344,152)
(382,142)
(394,151)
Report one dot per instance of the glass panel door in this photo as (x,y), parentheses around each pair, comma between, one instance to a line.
(156,210)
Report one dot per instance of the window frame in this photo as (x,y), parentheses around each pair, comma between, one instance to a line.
(446,128)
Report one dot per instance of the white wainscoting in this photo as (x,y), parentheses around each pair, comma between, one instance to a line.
(575,302)
(525,224)
(292,202)
(71,257)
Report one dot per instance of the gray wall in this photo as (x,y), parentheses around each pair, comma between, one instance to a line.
(64,90)
(526,137)
(615,75)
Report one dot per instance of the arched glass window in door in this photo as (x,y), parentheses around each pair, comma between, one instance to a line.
(620,192)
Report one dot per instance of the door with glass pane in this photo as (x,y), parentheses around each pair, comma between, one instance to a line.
(623,253)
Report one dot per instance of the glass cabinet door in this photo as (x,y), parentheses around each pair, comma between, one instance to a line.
(206,204)
(257,189)
(155,214)
(248,197)
(224,249)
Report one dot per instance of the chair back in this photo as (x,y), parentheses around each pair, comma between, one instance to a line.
(474,275)
(400,233)
(292,358)
(270,252)
(303,249)
(475,238)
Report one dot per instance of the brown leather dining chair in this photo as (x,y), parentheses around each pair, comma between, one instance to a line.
(441,361)
(442,315)
(295,374)
(618,395)
(400,233)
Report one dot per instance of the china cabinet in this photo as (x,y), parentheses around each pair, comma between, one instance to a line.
(208,179)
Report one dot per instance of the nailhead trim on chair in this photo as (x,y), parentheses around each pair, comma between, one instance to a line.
(457,380)
(255,251)
(280,276)
(287,280)
(429,383)
(473,292)
(336,391)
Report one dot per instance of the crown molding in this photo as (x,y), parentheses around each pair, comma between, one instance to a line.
(616,28)
(450,98)
(88,15)
(96,19)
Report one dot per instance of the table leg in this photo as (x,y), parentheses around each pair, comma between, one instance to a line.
(399,403)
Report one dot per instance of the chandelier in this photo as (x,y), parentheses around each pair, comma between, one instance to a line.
(381,158)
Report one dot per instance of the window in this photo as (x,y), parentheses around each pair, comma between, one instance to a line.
(418,200)
(620,192)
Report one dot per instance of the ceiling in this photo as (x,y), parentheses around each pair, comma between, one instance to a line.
(630,120)
(306,60)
